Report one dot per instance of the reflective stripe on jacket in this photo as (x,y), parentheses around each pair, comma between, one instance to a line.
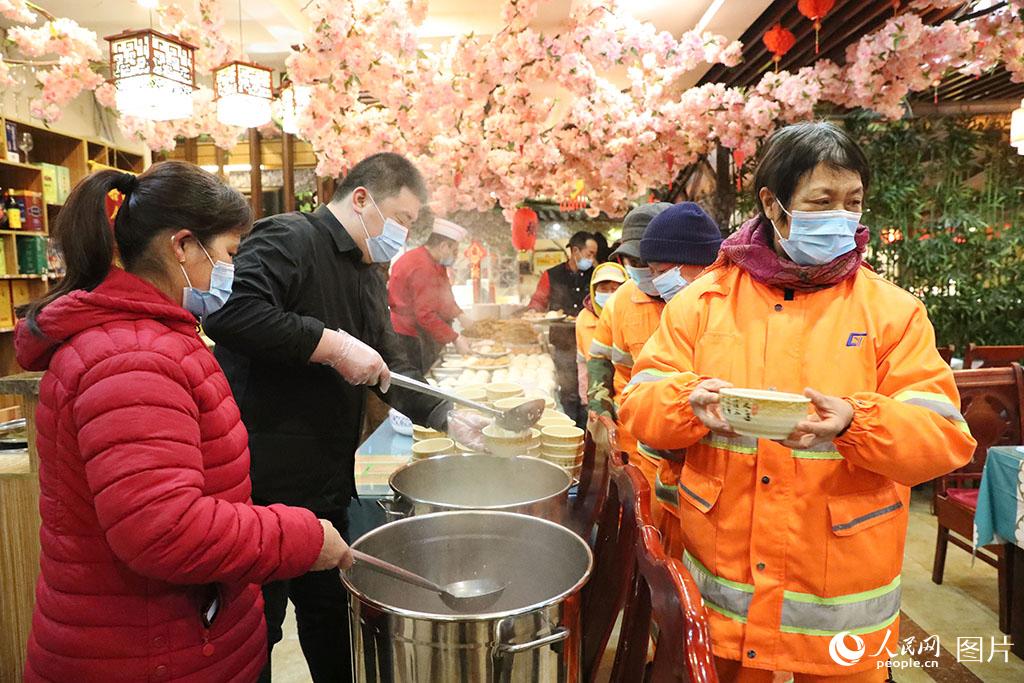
(792,547)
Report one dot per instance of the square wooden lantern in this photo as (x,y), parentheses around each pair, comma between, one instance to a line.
(154,74)
(243,92)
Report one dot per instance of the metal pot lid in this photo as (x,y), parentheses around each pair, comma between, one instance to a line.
(540,562)
(479,482)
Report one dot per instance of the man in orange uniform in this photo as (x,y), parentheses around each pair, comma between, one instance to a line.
(420,296)
(608,277)
(797,545)
(677,244)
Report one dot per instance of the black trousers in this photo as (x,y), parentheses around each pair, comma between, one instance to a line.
(422,351)
(568,385)
(321,612)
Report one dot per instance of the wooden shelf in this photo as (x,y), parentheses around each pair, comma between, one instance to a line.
(27,233)
(20,166)
(74,152)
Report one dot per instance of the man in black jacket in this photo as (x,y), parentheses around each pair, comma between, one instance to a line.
(305,332)
(563,288)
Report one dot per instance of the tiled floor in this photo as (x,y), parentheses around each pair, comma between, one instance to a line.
(963,607)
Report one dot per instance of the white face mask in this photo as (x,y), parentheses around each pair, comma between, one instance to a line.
(670,283)
(818,237)
(203,302)
(389,242)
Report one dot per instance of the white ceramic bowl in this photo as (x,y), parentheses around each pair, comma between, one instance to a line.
(570,435)
(420,433)
(431,447)
(762,414)
(509,444)
(500,390)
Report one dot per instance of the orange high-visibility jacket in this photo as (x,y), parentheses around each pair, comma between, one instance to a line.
(586,324)
(621,333)
(790,548)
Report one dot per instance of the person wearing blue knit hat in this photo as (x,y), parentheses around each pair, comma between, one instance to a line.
(678,244)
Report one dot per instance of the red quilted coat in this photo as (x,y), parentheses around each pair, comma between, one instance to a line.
(144,476)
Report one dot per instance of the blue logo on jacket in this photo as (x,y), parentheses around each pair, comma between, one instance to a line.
(856,339)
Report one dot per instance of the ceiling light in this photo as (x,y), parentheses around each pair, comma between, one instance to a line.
(243,92)
(153,75)
(709,14)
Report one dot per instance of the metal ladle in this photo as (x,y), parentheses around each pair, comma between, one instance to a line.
(517,419)
(467,595)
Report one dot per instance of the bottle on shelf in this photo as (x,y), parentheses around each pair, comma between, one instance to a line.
(3,210)
(13,212)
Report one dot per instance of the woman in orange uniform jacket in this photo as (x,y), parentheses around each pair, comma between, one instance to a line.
(797,546)
(607,278)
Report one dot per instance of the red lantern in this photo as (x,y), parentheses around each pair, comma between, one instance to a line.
(524,229)
(779,41)
(738,157)
(815,10)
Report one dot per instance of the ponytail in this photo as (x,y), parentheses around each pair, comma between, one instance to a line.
(169,196)
(84,235)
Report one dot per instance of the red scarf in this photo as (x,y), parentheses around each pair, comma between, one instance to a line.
(751,249)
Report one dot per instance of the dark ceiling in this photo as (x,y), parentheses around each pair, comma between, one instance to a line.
(844,25)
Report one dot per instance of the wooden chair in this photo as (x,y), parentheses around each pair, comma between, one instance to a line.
(991,400)
(599,443)
(946,352)
(993,356)
(662,591)
(614,551)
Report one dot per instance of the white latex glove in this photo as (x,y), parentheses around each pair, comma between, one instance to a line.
(352,359)
(467,427)
(462,346)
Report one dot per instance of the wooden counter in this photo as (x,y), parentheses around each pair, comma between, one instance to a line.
(19,531)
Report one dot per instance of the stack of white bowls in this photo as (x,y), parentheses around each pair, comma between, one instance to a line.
(562,444)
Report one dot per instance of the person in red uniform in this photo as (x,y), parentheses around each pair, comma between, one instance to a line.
(420,296)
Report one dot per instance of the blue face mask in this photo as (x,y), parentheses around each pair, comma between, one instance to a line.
(818,237)
(389,242)
(200,302)
(643,279)
(670,283)
(447,261)
(585,264)
(601,298)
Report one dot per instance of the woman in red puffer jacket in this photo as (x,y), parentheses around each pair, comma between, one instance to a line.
(152,553)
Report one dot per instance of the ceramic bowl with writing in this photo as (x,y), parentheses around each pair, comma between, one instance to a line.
(762,414)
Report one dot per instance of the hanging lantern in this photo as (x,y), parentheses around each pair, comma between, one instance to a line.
(815,10)
(779,41)
(153,73)
(243,91)
(524,229)
(1017,128)
(292,103)
(738,157)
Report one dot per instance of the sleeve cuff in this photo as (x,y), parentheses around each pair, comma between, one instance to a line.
(312,331)
(848,436)
(438,418)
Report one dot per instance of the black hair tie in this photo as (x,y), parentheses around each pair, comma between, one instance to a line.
(126,184)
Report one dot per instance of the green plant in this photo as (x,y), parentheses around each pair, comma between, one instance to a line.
(946,212)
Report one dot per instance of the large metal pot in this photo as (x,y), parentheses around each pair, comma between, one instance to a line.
(529,486)
(531,634)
